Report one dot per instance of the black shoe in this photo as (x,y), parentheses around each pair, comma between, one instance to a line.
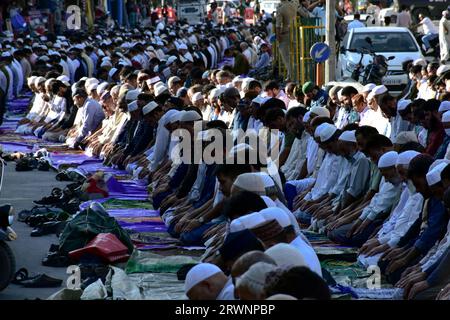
(56,260)
(47,228)
(41,281)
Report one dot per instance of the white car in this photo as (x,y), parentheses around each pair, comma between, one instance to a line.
(269,6)
(387,41)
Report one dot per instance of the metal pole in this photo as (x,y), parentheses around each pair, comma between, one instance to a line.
(330,64)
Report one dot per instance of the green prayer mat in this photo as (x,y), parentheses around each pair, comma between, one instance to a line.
(144,261)
(126,204)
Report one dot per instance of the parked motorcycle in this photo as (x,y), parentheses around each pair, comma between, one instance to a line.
(374,71)
(7,260)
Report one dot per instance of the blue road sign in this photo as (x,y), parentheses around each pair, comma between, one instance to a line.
(320,52)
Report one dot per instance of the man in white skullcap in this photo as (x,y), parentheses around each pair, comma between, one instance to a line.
(250,285)
(352,182)
(327,176)
(206,281)
(403,138)
(358,228)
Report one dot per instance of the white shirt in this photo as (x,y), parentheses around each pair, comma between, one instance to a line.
(382,201)
(311,155)
(296,158)
(227,292)
(428,26)
(308,253)
(326,178)
(433,256)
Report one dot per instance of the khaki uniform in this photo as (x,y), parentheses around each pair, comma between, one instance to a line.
(286,13)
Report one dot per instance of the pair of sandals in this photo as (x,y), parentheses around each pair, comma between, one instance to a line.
(41,280)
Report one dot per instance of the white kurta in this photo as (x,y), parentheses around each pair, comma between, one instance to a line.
(444,38)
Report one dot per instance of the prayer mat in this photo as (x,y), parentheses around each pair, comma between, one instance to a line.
(343,254)
(141,262)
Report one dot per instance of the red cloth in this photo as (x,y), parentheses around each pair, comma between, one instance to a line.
(104,245)
(92,188)
(435,139)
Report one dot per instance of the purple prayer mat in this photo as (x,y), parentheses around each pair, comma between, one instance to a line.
(136,228)
(132,212)
(98,166)
(58,159)
(15,147)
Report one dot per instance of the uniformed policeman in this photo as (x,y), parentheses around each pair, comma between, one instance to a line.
(286,13)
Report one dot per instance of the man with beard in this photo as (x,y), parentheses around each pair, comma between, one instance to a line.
(346,114)
(433,124)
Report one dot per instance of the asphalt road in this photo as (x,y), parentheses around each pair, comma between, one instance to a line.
(20,189)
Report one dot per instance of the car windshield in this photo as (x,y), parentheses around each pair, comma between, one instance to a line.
(384,42)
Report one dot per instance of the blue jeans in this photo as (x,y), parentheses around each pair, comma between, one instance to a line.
(194,237)
(427,38)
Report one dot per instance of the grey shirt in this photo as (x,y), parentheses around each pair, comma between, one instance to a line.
(91,116)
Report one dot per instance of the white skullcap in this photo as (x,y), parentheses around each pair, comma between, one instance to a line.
(133,106)
(252,220)
(438,162)
(446,116)
(389,159)
(260,100)
(444,106)
(420,62)
(205,74)
(171,60)
(172,80)
(434,175)
(370,96)
(112,72)
(132,95)
(6,54)
(214,94)
(327,132)
(379,89)
(63,78)
(250,182)
(348,136)
(319,129)
(368,87)
(320,111)
(160,90)
(199,273)
(196,97)
(152,105)
(402,104)
(274,213)
(286,255)
(404,137)
(254,279)
(190,116)
(106,63)
(153,80)
(92,87)
(405,158)
(306,116)
(182,47)
(30,80)
(102,87)
(442,69)
(237,79)
(339,94)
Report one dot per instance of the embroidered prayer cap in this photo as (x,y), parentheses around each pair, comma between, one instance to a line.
(64,79)
(405,158)
(286,255)
(171,60)
(255,276)
(327,132)
(267,230)
(389,159)
(30,80)
(132,95)
(320,111)
(189,116)
(90,81)
(402,104)
(434,175)
(133,106)
(260,100)
(252,220)
(348,136)
(438,162)
(199,273)
(405,137)
(149,107)
(236,225)
(197,97)
(91,87)
(307,116)
(48,82)
(379,89)
(277,214)
(444,106)
(250,182)
(368,87)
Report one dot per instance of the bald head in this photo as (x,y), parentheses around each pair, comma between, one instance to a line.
(247,260)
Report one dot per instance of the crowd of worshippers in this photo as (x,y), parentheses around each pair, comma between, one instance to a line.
(363,167)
